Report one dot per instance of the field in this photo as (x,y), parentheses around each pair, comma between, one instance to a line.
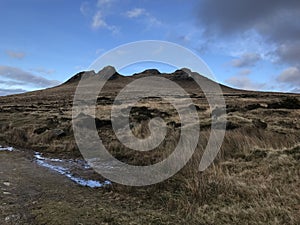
(255,178)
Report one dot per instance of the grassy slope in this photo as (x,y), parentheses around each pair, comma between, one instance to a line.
(254,180)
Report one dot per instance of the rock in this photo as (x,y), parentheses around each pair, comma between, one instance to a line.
(181,75)
(152,71)
(108,72)
(58,133)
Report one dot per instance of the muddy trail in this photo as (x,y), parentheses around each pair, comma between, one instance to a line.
(32,193)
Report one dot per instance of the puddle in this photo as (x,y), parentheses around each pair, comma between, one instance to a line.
(65,167)
(9,149)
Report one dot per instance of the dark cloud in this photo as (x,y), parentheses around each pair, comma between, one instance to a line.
(246,60)
(12,83)
(4,91)
(18,75)
(243,82)
(276,21)
(296,90)
(232,16)
(290,76)
(289,52)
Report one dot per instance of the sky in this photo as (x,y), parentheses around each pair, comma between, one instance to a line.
(249,44)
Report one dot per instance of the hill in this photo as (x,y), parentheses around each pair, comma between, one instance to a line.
(254,179)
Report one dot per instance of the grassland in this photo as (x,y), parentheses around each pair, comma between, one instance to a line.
(255,178)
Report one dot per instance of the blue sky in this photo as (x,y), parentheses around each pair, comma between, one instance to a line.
(250,45)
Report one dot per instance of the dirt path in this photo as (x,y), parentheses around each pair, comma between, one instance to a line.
(31,194)
(23,184)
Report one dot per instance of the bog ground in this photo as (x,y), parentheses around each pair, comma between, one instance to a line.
(255,178)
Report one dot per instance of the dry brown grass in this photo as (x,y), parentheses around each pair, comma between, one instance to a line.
(254,179)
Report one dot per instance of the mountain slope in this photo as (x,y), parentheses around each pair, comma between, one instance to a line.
(253,180)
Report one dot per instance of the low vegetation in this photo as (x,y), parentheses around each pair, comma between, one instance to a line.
(254,179)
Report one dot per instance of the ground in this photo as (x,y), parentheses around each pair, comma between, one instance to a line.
(255,178)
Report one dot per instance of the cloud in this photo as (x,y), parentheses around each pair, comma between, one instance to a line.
(4,91)
(290,76)
(85,8)
(98,21)
(234,15)
(244,82)
(275,22)
(246,60)
(134,13)
(99,51)
(15,55)
(43,71)
(99,15)
(12,83)
(153,21)
(289,52)
(145,16)
(18,75)
(101,3)
(244,72)
(295,90)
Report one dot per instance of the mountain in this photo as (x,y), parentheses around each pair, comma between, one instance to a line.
(253,178)
(180,76)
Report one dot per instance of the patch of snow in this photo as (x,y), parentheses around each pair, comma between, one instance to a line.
(39,156)
(50,164)
(10,149)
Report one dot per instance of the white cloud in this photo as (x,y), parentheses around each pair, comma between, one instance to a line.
(98,21)
(98,14)
(101,3)
(153,21)
(85,8)
(144,16)
(15,55)
(136,12)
